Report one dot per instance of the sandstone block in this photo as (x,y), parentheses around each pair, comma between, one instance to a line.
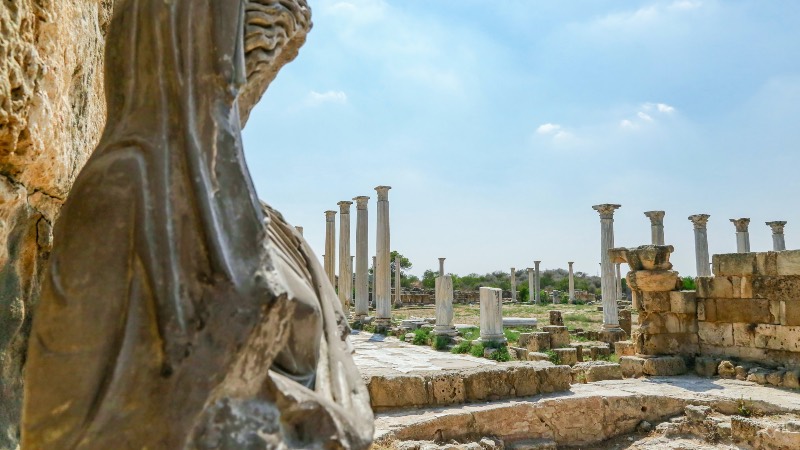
(714,287)
(715,333)
(683,302)
(743,429)
(664,366)
(652,322)
(655,301)
(767,263)
(566,356)
(559,336)
(697,413)
(446,389)
(556,319)
(482,384)
(736,264)
(539,342)
(624,348)
(751,310)
(788,262)
(524,380)
(680,323)
(744,334)
(789,313)
(654,280)
(707,309)
(706,366)
(397,391)
(792,379)
(775,377)
(783,288)
(669,343)
(631,366)
(777,337)
(600,352)
(578,349)
(597,371)
(537,356)
(554,379)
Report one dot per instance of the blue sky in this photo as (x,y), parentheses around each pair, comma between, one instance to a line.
(500,124)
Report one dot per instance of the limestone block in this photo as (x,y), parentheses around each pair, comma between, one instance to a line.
(652,323)
(715,333)
(559,336)
(758,375)
(600,352)
(775,377)
(554,379)
(707,309)
(524,339)
(539,342)
(482,384)
(446,389)
(750,310)
(397,391)
(566,356)
(736,264)
(741,372)
(680,323)
(743,429)
(556,319)
(664,366)
(520,352)
(625,321)
(524,380)
(744,334)
(726,369)
(537,356)
(788,262)
(706,366)
(655,301)
(683,302)
(654,280)
(624,348)
(597,371)
(668,343)
(785,288)
(631,366)
(777,337)
(714,287)
(697,413)
(578,349)
(611,336)
(767,263)
(792,379)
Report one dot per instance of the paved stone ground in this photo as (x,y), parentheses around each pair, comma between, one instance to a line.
(382,355)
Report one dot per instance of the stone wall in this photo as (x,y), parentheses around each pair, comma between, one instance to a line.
(750,308)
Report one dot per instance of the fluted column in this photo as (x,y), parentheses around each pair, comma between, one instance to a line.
(383,301)
(330,246)
(656,226)
(571,283)
(345,282)
(536,281)
(398,299)
(362,257)
(441,266)
(531,284)
(701,244)
(299,230)
(607,282)
(619,281)
(778,240)
(513,284)
(742,234)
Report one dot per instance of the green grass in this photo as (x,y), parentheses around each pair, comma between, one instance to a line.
(512,334)
(470,334)
(462,347)
(440,342)
(553,357)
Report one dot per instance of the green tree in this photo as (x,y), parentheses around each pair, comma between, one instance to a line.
(523,294)
(429,279)
(405,264)
(689,284)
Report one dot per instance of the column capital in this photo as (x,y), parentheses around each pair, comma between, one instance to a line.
(699,220)
(529,269)
(656,217)
(361,201)
(442,259)
(383,193)
(741,224)
(777,226)
(299,229)
(513,270)
(330,215)
(537,263)
(344,206)
(570,262)
(606,210)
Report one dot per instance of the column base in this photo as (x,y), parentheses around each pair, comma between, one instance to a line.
(492,340)
(445,330)
(612,334)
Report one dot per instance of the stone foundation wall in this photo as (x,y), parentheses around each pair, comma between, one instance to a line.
(750,308)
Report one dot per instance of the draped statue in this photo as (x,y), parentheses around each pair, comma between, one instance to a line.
(178,312)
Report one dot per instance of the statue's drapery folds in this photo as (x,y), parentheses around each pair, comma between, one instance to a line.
(178,311)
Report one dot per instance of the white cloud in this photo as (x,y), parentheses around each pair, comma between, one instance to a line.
(660,107)
(644,116)
(562,135)
(315,98)
(627,124)
(685,5)
(548,128)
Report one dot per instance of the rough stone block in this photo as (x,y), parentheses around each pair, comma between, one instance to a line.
(726,369)
(556,319)
(714,287)
(707,310)
(680,323)
(777,337)
(758,375)
(520,352)
(566,356)
(447,389)
(788,262)
(624,348)
(559,336)
(631,366)
(578,349)
(600,352)
(487,384)
(667,344)
(625,321)
(744,429)
(741,372)
(736,264)
(792,379)
(655,301)
(751,310)
(524,339)
(652,322)
(537,356)
(654,280)
(715,333)
(767,263)
(784,288)
(706,366)
(744,334)
(664,366)
(789,313)
(397,391)
(554,379)
(539,342)
(697,413)
(683,302)
(612,336)
(596,371)
(524,380)
(775,377)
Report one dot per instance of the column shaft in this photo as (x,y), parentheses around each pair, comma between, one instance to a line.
(607,280)
(513,284)
(345,281)
(536,282)
(702,261)
(383,301)
(330,246)
(571,284)
(362,257)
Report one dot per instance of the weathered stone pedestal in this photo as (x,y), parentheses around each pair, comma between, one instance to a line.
(444,307)
(491,316)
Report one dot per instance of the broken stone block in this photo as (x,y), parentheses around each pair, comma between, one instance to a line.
(683,302)
(741,372)
(758,375)
(775,377)
(696,413)
(706,366)
(596,371)
(559,336)
(664,366)
(624,348)
(566,356)
(579,349)
(539,342)
(653,280)
(792,379)
(537,356)
(632,366)
(735,264)
(743,429)
(600,352)
(521,353)
(726,369)
(556,319)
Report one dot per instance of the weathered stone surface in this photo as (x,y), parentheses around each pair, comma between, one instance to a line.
(632,366)
(683,302)
(655,301)
(726,369)
(792,379)
(599,351)
(397,391)
(624,348)
(714,287)
(706,366)
(737,264)
(591,371)
(697,413)
(555,318)
(538,356)
(716,333)
(788,262)
(538,342)
(751,310)
(664,366)
(654,280)
(567,356)
(559,336)
(667,343)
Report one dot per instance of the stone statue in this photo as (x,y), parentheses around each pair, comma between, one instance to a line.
(178,312)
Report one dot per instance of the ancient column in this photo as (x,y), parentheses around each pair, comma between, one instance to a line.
(778,241)
(398,299)
(491,316)
(374,278)
(536,281)
(299,230)
(383,276)
(513,284)
(441,266)
(345,287)
(742,235)
(330,246)
(656,226)
(352,279)
(607,282)
(701,244)
(531,284)
(362,256)
(619,282)
(571,283)
(444,306)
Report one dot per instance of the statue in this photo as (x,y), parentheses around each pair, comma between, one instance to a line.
(178,312)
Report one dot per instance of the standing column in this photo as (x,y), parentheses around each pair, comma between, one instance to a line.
(345,286)
(571,284)
(536,282)
(374,278)
(607,284)
(742,235)
(383,281)
(656,226)
(492,316)
(362,256)
(330,246)
(299,230)
(513,284)
(701,244)
(531,284)
(619,282)
(398,299)
(444,303)
(778,241)
(441,266)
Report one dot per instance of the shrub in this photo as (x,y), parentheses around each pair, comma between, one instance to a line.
(477,350)
(422,336)
(553,357)
(462,347)
(440,342)
(501,354)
